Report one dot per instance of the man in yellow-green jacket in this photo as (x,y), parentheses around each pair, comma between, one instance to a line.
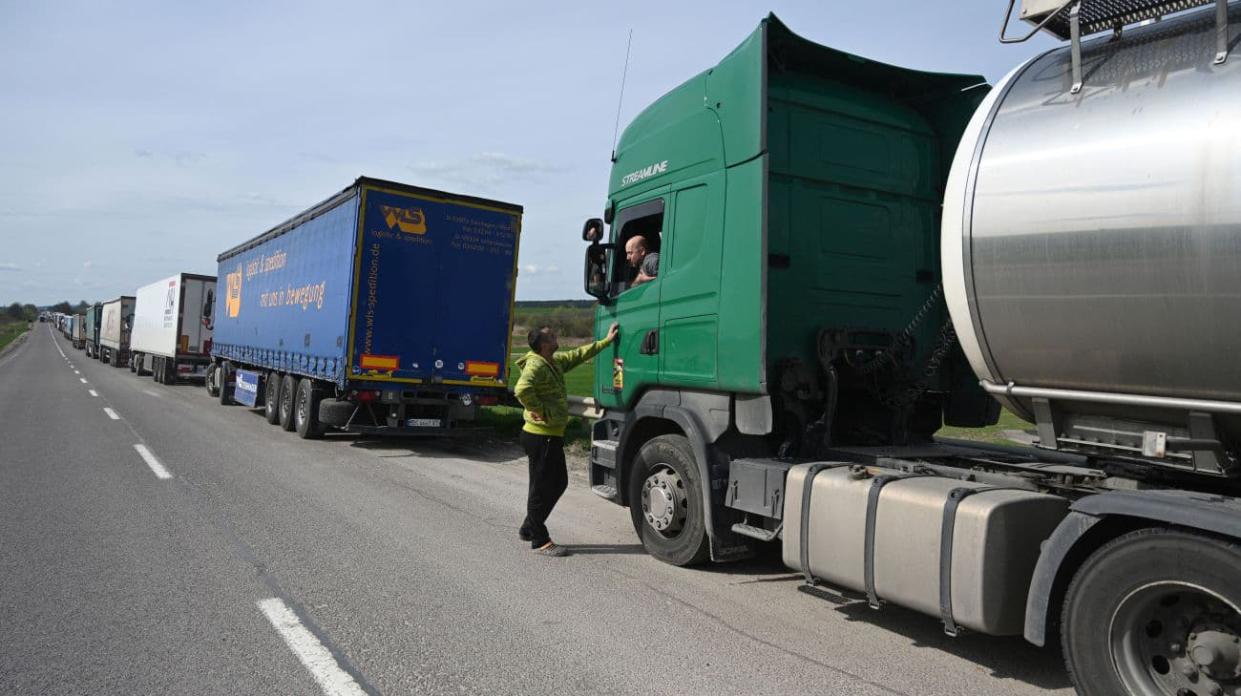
(541,391)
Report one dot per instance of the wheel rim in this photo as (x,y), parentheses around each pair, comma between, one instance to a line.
(286,401)
(301,408)
(1177,639)
(665,506)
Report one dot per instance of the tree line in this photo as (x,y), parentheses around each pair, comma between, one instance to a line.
(28,312)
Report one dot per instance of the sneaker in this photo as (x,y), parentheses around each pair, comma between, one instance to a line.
(551,548)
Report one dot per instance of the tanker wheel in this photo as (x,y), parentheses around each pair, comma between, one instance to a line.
(212,380)
(1156,612)
(224,373)
(288,394)
(306,410)
(271,398)
(665,501)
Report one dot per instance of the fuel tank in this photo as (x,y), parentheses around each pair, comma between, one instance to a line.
(1091,241)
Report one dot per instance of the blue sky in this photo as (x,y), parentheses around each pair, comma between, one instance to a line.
(139,139)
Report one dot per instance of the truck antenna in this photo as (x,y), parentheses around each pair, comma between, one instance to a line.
(621,100)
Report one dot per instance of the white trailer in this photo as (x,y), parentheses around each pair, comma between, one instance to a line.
(115,324)
(172,328)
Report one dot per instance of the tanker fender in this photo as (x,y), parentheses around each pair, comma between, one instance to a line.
(1096,519)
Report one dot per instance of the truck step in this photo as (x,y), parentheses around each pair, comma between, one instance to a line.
(603,452)
(757,532)
(604,491)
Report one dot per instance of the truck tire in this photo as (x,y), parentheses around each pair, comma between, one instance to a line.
(212,380)
(288,394)
(1155,612)
(170,371)
(134,360)
(306,410)
(225,374)
(665,501)
(157,369)
(113,359)
(271,397)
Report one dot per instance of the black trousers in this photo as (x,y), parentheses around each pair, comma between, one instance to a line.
(548,480)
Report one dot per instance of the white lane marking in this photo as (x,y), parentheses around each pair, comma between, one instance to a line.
(111,413)
(93,392)
(332,679)
(151,393)
(83,379)
(58,350)
(75,371)
(160,471)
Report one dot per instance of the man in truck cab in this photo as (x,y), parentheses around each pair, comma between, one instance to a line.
(541,391)
(642,258)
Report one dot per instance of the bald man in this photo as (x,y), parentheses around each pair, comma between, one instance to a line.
(639,256)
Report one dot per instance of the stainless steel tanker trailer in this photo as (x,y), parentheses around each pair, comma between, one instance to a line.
(1090,260)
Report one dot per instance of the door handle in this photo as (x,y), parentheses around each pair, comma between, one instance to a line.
(650,343)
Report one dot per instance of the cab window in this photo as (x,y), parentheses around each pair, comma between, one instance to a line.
(645,221)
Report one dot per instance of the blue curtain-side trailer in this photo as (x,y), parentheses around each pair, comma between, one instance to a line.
(386,308)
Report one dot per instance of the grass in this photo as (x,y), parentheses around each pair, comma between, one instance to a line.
(507,422)
(992,433)
(578,382)
(10,330)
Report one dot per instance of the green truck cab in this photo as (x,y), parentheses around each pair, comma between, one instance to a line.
(793,195)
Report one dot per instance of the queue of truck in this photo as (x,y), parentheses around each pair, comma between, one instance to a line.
(852,255)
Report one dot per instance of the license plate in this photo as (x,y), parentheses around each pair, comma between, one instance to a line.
(423,422)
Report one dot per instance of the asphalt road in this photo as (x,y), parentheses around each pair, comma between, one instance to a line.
(268,564)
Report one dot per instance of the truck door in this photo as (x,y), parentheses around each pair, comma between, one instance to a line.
(689,276)
(627,370)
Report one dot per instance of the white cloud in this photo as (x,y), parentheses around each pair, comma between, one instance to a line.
(485,169)
(88,264)
(531,269)
(6,266)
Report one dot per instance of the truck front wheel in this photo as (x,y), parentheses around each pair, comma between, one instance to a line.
(1156,612)
(288,394)
(665,501)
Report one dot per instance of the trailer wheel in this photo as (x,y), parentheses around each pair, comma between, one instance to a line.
(1156,612)
(212,380)
(271,398)
(224,374)
(170,371)
(135,364)
(306,411)
(665,501)
(157,369)
(288,393)
(113,359)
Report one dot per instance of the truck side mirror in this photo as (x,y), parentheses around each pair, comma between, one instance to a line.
(596,271)
(592,231)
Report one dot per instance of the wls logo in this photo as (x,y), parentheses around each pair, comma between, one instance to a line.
(408,220)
